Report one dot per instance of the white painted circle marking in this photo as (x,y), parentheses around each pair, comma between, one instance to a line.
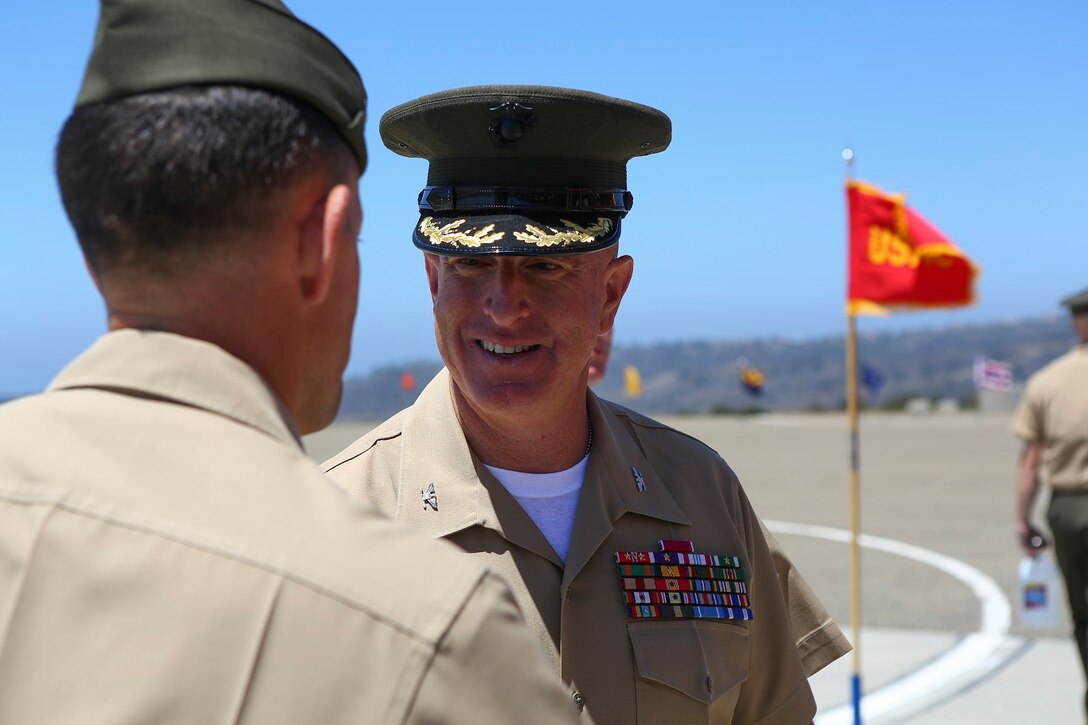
(972,657)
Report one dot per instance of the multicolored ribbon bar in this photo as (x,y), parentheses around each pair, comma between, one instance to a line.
(685,611)
(711,598)
(677,571)
(683,585)
(678,583)
(672,557)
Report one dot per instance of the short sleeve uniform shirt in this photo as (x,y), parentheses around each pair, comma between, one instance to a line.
(1054,414)
(644,482)
(169,554)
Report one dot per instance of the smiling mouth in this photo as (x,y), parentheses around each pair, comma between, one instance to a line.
(502,350)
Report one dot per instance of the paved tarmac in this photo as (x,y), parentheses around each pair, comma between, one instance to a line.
(940,640)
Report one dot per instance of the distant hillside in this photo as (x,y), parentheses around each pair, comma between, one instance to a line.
(380,394)
(700,376)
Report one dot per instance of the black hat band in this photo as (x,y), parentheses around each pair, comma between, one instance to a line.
(488,198)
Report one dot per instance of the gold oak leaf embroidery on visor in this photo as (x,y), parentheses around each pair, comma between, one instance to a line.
(574,234)
(452,234)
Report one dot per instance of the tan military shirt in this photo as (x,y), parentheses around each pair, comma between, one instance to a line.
(1054,414)
(819,640)
(619,670)
(168,554)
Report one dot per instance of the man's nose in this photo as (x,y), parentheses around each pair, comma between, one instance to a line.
(507,298)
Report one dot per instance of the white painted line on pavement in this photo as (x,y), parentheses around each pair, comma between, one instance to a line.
(972,658)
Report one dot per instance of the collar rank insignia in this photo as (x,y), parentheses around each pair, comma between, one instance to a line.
(638,480)
(678,583)
(430,498)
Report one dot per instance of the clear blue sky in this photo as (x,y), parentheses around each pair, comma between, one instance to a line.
(977,110)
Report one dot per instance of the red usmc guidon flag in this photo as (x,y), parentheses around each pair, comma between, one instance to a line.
(898,259)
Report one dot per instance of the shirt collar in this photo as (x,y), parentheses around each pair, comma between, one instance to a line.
(182,370)
(620,480)
(435,451)
(623,462)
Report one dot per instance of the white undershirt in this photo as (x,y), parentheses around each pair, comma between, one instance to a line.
(550,499)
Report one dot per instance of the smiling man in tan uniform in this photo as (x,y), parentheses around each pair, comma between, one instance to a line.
(631,546)
(1053,423)
(168,554)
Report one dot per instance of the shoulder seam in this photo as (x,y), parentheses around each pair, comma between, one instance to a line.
(341,461)
(641,421)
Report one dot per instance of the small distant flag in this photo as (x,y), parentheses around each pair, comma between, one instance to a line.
(872,379)
(751,380)
(632,381)
(407,381)
(993,375)
(898,259)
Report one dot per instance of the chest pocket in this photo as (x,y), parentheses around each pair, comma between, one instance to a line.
(688,671)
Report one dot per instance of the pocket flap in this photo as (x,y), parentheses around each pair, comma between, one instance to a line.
(703,660)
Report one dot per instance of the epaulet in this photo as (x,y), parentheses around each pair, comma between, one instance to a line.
(643,421)
(634,416)
(388,430)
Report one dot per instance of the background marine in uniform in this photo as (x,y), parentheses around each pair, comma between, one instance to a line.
(1053,423)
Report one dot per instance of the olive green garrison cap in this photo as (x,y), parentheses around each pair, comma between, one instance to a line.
(1077,303)
(528,170)
(152,45)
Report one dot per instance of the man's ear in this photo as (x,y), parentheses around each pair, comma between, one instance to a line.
(432,262)
(320,236)
(617,278)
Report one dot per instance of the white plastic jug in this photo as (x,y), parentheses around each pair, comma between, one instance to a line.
(1039,588)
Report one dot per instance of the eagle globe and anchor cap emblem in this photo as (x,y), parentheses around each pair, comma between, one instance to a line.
(515,120)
